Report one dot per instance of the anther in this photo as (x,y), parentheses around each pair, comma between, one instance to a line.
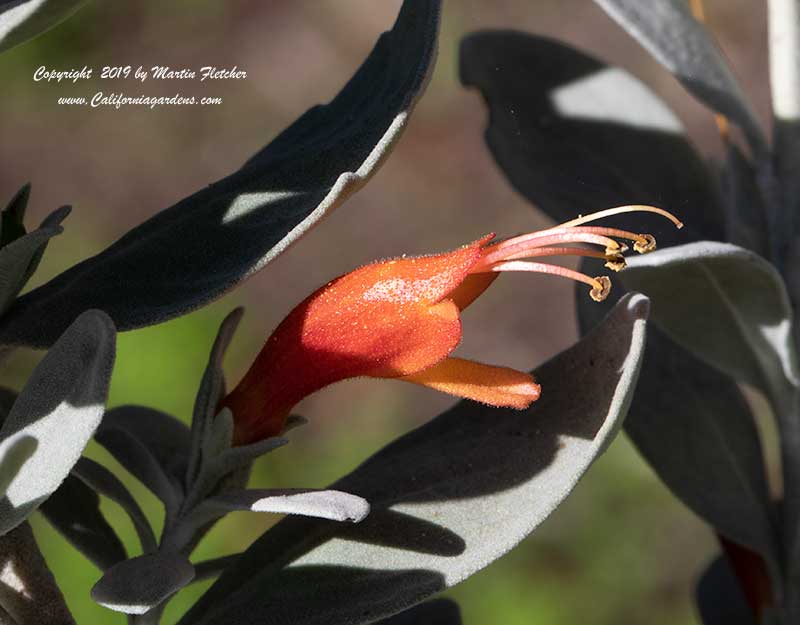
(601,289)
(645,243)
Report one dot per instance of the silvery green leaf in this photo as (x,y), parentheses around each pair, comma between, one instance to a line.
(719,596)
(732,311)
(436,612)
(74,510)
(140,584)
(212,389)
(446,499)
(164,436)
(324,504)
(669,31)
(15,451)
(20,258)
(60,407)
(575,135)
(103,481)
(21,20)
(692,424)
(140,461)
(206,244)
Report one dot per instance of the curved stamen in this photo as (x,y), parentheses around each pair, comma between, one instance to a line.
(631,208)
(528,242)
(601,285)
(642,243)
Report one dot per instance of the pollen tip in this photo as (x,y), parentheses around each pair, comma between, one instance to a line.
(647,243)
(601,290)
(615,262)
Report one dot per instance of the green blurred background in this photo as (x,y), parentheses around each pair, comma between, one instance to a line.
(621,549)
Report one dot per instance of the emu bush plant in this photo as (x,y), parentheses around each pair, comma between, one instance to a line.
(440,503)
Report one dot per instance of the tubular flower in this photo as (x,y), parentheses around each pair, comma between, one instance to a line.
(400,319)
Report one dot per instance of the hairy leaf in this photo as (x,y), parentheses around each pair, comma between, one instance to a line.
(20,258)
(669,31)
(733,311)
(211,391)
(60,408)
(193,252)
(96,476)
(74,510)
(574,135)
(138,585)
(446,499)
(692,424)
(436,612)
(21,20)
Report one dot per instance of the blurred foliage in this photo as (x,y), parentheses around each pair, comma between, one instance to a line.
(621,549)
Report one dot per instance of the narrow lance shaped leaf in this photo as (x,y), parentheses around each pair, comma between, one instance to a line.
(96,476)
(74,510)
(669,31)
(193,252)
(20,258)
(164,437)
(138,585)
(567,131)
(21,20)
(446,499)
(60,408)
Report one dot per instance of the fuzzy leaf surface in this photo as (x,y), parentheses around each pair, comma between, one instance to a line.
(206,244)
(446,499)
(60,408)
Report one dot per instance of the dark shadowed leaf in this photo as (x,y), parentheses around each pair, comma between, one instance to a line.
(446,499)
(96,476)
(165,437)
(733,311)
(211,391)
(21,20)
(747,224)
(719,596)
(436,612)
(574,135)
(20,258)
(137,585)
(193,252)
(12,218)
(74,510)
(137,458)
(669,31)
(692,424)
(28,593)
(60,408)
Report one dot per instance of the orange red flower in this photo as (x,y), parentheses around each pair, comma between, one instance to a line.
(400,319)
